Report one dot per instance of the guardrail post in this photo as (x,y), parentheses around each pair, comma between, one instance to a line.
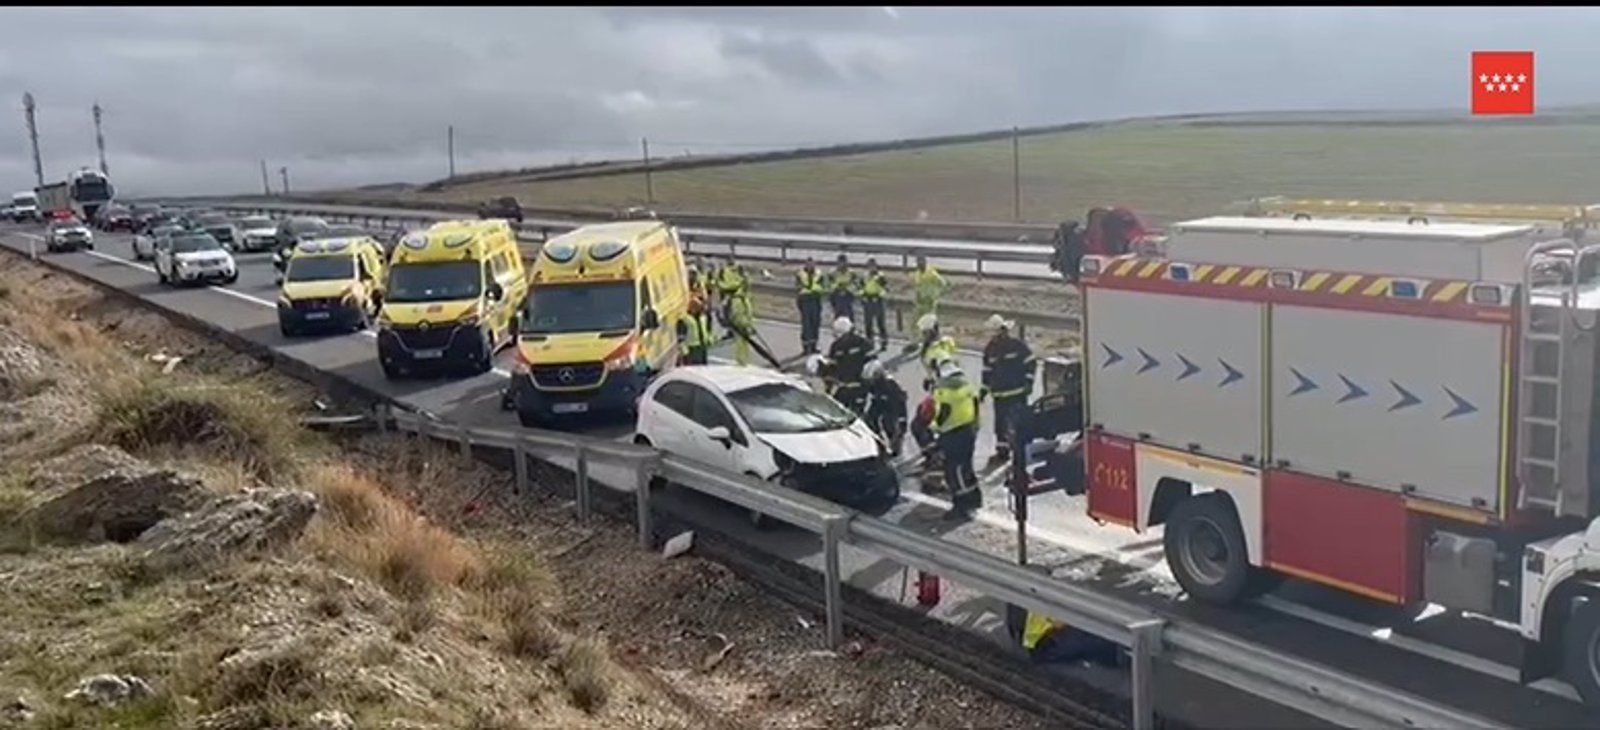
(466,441)
(783,251)
(519,454)
(899,318)
(977,261)
(641,498)
(581,491)
(381,415)
(832,585)
(1146,643)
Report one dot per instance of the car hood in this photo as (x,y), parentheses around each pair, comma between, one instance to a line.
(75,230)
(826,447)
(197,257)
(260,232)
(328,289)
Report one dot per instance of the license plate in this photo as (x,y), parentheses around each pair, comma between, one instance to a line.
(317,315)
(569,407)
(428,354)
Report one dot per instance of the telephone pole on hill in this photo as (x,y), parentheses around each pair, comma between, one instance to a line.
(100,140)
(33,134)
(266,187)
(649,185)
(450,144)
(284,171)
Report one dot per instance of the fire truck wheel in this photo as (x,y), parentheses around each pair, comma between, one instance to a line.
(1581,650)
(1206,549)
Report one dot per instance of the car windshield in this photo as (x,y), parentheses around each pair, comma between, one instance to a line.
(255,223)
(321,268)
(192,244)
(435,282)
(305,225)
(593,307)
(213,220)
(783,408)
(164,230)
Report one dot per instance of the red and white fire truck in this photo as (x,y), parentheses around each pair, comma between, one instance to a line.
(1402,411)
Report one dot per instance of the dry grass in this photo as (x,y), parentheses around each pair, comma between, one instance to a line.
(145,412)
(587,673)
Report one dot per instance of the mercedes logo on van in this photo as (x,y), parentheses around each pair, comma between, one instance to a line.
(566,375)
(423,325)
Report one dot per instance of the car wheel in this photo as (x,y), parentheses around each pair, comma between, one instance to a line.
(1205,549)
(529,419)
(162,277)
(391,371)
(232,277)
(1581,648)
(485,361)
(285,329)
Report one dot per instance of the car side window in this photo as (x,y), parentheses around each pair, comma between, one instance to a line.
(710,413)
(679,397)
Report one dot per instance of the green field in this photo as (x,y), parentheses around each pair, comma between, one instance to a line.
(1168,171)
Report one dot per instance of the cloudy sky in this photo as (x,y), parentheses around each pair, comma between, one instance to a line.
(194,97)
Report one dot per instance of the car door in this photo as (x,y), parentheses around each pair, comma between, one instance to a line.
(711,411)
(669,420)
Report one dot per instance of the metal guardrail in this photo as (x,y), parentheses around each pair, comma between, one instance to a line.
(1028,261)
(1150,638)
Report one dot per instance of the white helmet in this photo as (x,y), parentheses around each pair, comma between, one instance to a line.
(997,322)
(927,322)
(841,325)
(872,370)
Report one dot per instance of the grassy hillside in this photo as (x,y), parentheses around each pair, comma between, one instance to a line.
(1169,170)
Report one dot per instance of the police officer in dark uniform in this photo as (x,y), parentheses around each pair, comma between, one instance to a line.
(886,406)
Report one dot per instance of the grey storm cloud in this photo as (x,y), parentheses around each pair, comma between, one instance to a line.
(194,97)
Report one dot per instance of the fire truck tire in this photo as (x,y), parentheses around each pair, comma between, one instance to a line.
(1206,549)
(1581,649)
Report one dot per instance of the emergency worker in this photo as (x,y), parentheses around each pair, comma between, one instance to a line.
(886,406)
(741,326)
(928,286)
(694,333)
(955,425)
(809,287)
(842,287)
(873,288)
(847,358)
(1008,366)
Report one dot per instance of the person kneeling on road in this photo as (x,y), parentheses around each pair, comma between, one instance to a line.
(955,423)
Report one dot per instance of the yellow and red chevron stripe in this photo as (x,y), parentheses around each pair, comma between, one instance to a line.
(1446,297)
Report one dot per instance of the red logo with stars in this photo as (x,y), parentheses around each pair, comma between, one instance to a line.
(1502,82)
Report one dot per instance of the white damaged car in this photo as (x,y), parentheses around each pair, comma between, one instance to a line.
(771,426)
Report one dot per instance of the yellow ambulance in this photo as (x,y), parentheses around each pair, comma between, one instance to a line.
(600,320)
(451,298)
(331,284)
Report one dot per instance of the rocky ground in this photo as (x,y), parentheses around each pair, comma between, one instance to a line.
(177,551)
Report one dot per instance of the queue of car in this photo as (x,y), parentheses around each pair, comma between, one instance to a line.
(592,322)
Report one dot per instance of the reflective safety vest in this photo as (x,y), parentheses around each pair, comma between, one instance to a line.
(1035,629)
(845,281)
(809,284)
(741,312)
(700,280)
(928,283)
(875,286)
(962,402)
(730,280)
(696,330)
(943,348)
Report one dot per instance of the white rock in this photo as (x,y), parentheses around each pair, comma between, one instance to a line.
(678,545)
(333,720)
(109,689)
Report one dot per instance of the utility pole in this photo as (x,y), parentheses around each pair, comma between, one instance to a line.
(100,140)
(33,134)
(450,142)
(649,185)
(284,171)
(266,188)
(1016,176)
